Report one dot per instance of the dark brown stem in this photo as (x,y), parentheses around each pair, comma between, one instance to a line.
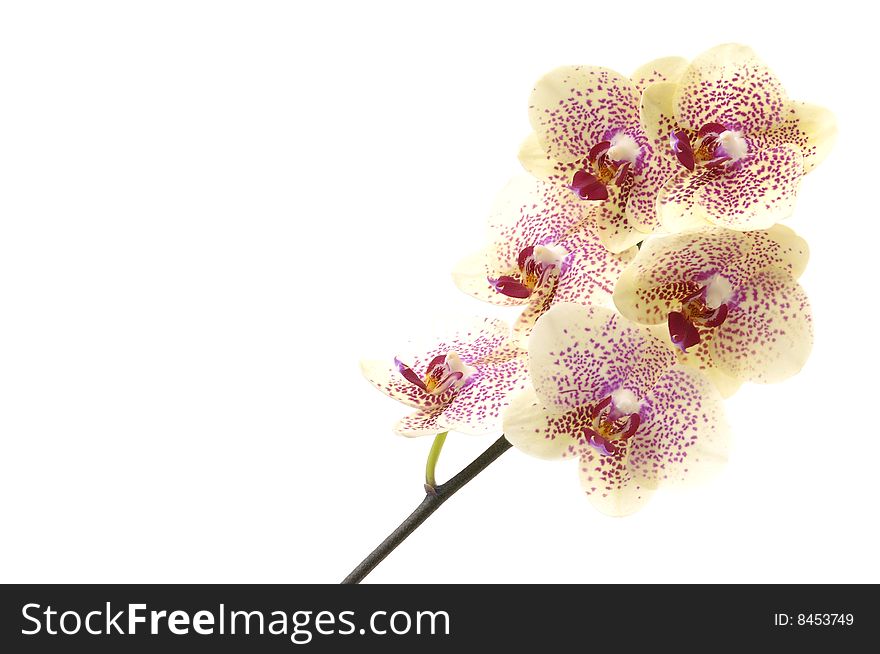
(431,503)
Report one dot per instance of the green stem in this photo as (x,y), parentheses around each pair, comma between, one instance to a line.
(433,455)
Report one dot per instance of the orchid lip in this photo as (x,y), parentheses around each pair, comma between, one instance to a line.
(609,427)
(536,263)
(445,372)
(705,307)
(609,162)
(713,146)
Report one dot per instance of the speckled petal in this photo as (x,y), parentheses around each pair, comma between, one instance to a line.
(540,301)
(536,430)
(573,108)
(477,408)
(420,423)
(383,374)
(730,85)
(610,485)
(537,162)
(527,212)
(684,435)
(580,354)
(472,273)
(754,196)
(617,232)
(649,288)
(769,336)
(665,69)
(810,127)
(591,270)
(472,342)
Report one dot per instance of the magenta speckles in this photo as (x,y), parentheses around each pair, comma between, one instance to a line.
(730,299)
(459,382)
(609,394)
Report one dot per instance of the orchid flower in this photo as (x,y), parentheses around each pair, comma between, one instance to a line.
(588,138)
(729,301)
(541,250)
(459,383)
(608,393)
(741,144)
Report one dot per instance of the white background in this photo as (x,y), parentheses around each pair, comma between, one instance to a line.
(210,211)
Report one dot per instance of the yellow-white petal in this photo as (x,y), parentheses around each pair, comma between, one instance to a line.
(755,195)
(610,485)
(580,354)
(769,336)
(665,69)
(535,429)
(684,435)
(810,127)
(572,108)
(730,85)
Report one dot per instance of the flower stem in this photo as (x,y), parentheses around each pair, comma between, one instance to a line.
(433,455)
(430,504)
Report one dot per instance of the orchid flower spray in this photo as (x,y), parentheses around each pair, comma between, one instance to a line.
(647,277)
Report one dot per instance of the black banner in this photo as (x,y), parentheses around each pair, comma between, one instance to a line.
(279,618)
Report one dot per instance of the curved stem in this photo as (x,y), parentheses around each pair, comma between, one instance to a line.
(430,504)
(431,465)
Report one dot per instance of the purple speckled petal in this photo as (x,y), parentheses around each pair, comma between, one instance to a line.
(653,284)
(420,423)
(527,212)
(574,107)
(768,336)
(580,354)
(610,484)
(810,127)
(591,270)
(730,85)
(754,195)
(477,408)
(683,435)
(539,430)
(617,232)
(665,69)
(481,345)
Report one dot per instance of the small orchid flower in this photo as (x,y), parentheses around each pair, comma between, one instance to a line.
(459,383)
(608,393)
(740,144)
(729,301)
(541,250)
(588,138)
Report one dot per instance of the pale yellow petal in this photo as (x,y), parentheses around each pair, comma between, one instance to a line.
(665,69)
(535,429)
(572,108)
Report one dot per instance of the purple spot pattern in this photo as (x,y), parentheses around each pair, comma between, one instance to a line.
(801,131)
(769,316)
(501,368)
(682,423)
(573,108)
(575,117)
(581,354)
(769,337)
(756,194)
(551,216)
(731,86)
